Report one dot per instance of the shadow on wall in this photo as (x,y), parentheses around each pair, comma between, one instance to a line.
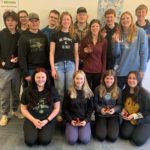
(146,80)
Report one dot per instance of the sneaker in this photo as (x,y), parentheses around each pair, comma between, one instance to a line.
(3,120)
(17,114)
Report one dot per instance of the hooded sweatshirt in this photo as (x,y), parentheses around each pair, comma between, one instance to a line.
(33,51)
(8,48)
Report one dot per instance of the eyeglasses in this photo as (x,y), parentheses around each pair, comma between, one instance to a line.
(52,17)
(23,17)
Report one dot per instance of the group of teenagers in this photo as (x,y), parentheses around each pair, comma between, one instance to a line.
(70,70)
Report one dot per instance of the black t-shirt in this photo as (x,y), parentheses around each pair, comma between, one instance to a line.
(40,104)
(64,46)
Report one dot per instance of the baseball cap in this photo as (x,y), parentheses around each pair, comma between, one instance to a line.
(81,9)
(33,16)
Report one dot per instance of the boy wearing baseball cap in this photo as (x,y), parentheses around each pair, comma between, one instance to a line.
(81,25)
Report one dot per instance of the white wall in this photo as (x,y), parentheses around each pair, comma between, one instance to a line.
(42,7)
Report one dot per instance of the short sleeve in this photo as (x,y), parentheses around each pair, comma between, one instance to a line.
(25,97)
(54,37)
(55,95)
(76,40)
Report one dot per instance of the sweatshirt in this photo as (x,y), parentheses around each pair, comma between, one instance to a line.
(131,56)
(77,108)
(8,48)
(110,58)
(106,101)
(94,62)
(143,100)
(147,30)
(33,51)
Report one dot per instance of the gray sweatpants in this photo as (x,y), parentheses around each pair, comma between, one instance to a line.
(9,85)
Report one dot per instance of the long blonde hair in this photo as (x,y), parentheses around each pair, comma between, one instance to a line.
(71,28)
(86,89)
(132,28)
(114,90)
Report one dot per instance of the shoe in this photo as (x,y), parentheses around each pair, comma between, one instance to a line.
(59,118)
(4,120)
(17,114)
(93,117)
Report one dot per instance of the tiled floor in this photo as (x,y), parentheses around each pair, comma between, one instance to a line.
(11,138)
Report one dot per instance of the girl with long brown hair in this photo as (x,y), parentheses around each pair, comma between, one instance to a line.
(107,107)
(93,53)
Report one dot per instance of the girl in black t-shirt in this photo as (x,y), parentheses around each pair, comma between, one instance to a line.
(39,104)
(64,57)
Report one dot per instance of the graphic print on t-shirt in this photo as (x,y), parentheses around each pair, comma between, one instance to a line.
(65,42)
(132,107)
(41,107)
(37,44)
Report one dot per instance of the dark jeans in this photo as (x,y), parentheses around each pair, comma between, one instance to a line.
(93,79)
(138,134)
(107,127)
(42,136)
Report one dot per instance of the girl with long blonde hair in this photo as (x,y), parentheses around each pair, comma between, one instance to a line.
(130,48)
(77,108)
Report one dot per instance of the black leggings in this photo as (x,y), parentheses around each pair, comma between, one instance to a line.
(93,80)
(122,81)
(41,136)
(107,127)
(138,134)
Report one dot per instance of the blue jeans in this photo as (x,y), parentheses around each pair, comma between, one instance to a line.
(65,70)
